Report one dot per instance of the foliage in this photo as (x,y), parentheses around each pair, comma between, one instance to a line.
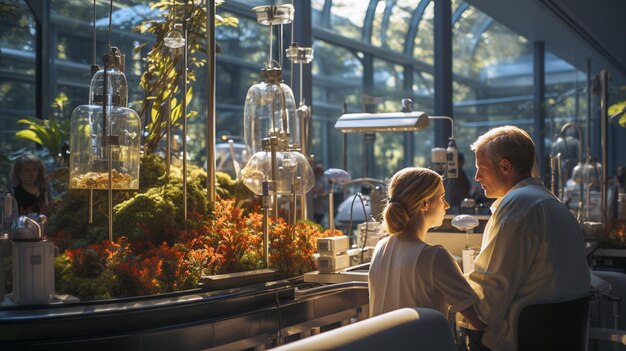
(226,241)
(53,133)
(614,236)
(619,109)
(163,76)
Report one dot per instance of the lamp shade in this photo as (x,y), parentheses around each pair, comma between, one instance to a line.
(382,122)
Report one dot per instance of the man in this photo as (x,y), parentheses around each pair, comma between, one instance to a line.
(532,249)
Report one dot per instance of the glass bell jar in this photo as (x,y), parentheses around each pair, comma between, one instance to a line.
(271,128)
(587,173)
(290,166)
(106,127)
(269,111)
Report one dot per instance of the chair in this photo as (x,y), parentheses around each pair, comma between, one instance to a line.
(404,329)
(554,326)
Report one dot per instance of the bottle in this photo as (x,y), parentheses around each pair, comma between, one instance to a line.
(452,165)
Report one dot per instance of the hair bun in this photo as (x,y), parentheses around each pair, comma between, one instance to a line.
(396,217)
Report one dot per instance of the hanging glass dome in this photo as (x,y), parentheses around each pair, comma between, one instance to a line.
(290,166)
(94,133)
(269,110)
(271,127)
(587,173)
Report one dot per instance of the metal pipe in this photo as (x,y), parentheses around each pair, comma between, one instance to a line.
(210,99)
(168,135)
(274,196)
(451,123)
(331,209)
(604,86)
(266,226)
(184,108)
(589,102)
(90,220)
(580,138)
(328,289)
(553,167)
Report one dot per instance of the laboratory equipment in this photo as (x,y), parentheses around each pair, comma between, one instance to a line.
(467,224)
(32,261)
(334,176)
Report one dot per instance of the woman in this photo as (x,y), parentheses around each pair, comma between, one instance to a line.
(406,271)
(30,189)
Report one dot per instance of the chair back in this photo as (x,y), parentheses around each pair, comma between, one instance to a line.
(554,326)
(404,329)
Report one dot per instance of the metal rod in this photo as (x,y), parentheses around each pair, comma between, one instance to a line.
(604,82)
(90,220)
(168,135)
(106,140)
(266,226)
(280,46)
(331,210)
(210,99)
(184,107)
(303,205)
(589,102)
(273,146)
(553,167)
(271,44)
(110,168)
(292,201)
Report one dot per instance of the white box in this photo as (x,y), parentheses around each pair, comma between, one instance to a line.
(331,264)
(333,246)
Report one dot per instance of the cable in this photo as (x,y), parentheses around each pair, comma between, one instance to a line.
(364,217)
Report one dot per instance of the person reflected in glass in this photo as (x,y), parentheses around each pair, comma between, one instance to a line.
(320,194)
(457,189)
(532,249)
(30,189)
(405,270)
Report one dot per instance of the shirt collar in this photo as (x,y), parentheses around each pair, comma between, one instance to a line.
(521,183)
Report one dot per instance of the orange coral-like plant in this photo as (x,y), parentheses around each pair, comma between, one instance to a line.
(229,240)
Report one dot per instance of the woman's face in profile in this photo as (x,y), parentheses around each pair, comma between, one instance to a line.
(437,206)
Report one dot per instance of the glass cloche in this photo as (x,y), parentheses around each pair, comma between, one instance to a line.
(269,110)
(92,131)
(290,166)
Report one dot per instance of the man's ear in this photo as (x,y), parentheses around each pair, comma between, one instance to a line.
(506,166)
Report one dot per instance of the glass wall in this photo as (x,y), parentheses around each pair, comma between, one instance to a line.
(368,56)
(495,83)
(17,80)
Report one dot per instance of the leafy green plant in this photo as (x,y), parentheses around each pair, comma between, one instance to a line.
(619,108)
(161,81)
(52,133)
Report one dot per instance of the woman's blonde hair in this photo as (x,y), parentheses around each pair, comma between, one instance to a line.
(407,191)
(19,164)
